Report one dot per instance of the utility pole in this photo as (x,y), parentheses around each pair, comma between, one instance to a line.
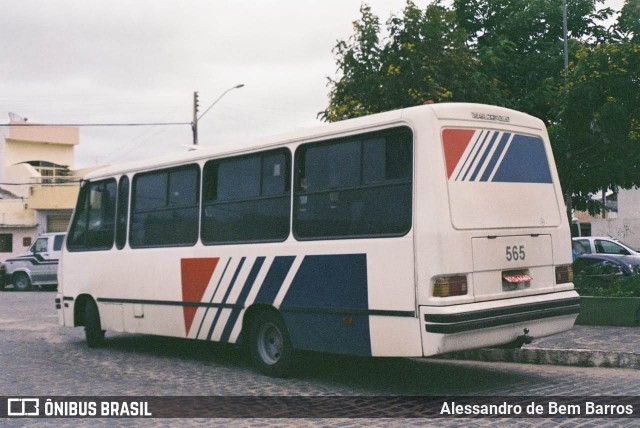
(565,42)
(196,118)
(194,124)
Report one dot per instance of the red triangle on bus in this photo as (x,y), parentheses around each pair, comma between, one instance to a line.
(196,274)
(455,142)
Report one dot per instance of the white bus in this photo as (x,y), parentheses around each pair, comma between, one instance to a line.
(409,233)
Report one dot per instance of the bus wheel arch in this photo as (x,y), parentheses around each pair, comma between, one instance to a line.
(87,314)
(267,338)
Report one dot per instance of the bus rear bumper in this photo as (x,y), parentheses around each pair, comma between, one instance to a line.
(477,325)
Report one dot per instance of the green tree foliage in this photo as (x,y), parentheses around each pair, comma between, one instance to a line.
(599,125)
(359,65)
(424,57)
(509,53)
(628,26)
(520,43)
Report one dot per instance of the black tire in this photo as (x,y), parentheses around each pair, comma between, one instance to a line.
(92,328)
(21,281)
(270,345)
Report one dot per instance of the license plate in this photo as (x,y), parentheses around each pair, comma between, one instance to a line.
(517,279)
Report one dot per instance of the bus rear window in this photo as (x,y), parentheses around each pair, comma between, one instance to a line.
(498,179)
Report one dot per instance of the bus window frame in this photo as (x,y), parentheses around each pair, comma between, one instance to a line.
(167,207)
(299,166)
(214,164)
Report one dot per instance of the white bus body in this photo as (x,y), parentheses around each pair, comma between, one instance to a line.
(408,233)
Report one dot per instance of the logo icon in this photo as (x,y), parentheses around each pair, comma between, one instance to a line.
(23,407)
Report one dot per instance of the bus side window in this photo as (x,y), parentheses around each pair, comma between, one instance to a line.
(246,198)
(165,206)
(354,187)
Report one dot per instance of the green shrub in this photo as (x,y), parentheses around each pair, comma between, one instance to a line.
(607,285)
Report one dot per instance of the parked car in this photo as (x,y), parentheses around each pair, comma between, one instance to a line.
(602,265)
(608,246)
(3,276)
(38,266)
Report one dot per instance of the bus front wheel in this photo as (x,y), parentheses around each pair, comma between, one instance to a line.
(92,329)
(270,345)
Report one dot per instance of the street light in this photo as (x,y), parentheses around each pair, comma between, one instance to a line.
(196,118)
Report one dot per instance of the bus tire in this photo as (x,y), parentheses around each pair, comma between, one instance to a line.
(21,281)
(92,329)
(270,345)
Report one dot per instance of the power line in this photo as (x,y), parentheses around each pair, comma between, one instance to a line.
(96,124)
(43,184)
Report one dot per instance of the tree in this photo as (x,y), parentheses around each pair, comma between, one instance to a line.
(425,57)
(520,43)
(598,133)
(359,64)
(509,53)
(628,25)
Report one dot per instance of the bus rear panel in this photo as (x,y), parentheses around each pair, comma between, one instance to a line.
(494,260)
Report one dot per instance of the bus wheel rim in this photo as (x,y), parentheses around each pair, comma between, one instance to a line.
(270,343)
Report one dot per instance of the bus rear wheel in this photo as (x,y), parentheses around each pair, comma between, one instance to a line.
(270,345)
(92,328)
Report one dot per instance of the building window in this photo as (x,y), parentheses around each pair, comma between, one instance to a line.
(6,243)
(51,172)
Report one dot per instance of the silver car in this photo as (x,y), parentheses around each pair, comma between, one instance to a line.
(38,266)
(609,246)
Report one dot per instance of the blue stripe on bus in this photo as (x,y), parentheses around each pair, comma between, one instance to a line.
(475,155)
(275,278)
(525,162)
(324,283)
(212,296)
(484,156)
(235,313)
(226,296)
(495,157)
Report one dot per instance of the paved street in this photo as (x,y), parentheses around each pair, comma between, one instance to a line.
(39,358)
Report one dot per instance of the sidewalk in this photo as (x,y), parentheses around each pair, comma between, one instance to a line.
(587,346)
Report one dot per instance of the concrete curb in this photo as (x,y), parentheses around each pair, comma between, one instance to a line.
(561,357)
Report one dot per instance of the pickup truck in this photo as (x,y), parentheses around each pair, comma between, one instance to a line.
(38,266)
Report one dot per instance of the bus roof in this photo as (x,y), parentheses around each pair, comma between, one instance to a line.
(445,111)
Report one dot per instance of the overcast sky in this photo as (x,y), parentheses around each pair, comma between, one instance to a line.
(116,61)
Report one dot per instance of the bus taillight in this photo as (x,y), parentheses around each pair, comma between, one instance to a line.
(564,274)
(446,286)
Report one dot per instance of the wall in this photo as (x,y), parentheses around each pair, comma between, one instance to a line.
(24,151)
(629,203)
(21,173)
(625,229)
(15,220)
(54,197)
(46,134)
(19,233)
(13,213)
